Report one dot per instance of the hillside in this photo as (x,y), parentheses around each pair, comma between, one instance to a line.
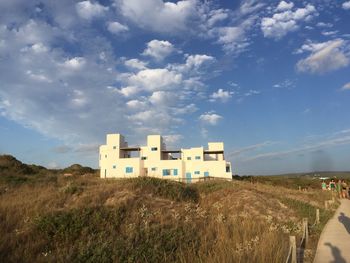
(85,218)
(13,171)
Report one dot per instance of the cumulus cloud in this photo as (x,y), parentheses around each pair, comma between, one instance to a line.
(346,86)
(158,49)
(157,15)
(346,5)
(283,6)
(135,64)
(221,95)
(210,118)
(116,27)
(163,98)
(286,21)
(52,91)
(156,79)
(324,57)
(74,63)
(88,10)
(136,104)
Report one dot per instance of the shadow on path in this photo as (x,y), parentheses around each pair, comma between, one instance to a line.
(345,221)
(336,254)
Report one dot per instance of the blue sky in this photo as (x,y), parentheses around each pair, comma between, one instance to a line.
(269,78)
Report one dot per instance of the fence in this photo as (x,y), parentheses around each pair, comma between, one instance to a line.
(296,254)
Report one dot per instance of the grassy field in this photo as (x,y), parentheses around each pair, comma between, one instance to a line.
(48,217)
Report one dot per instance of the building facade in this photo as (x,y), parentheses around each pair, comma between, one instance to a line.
(118,160)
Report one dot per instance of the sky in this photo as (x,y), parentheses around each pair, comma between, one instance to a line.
(271,79)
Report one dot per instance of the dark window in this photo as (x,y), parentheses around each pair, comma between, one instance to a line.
(154,149)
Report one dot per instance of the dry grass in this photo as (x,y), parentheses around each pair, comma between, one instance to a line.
(84,218)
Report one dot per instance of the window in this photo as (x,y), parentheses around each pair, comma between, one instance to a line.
(129,170)
(166,172)
(227,169)
(154,168)
(143,158)
(114,166)
(197,172)
(105,155)
(198,157)
(188,158)
(206,174)
(114,147)
(175,172)
(154,149)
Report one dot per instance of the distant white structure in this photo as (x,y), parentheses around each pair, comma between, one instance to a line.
(155,160)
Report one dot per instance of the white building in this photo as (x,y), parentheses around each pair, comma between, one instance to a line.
(118,160)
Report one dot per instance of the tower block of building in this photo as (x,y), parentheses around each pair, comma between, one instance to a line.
(118,160)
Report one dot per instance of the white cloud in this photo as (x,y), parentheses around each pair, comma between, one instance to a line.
(39,48)
(75,63)
(193,64)
(222,95)
(163,98)
(38,77)
(250,148)
(250,6)
(329,33)
(217,15)
(346,5)
(88,10)
(196,61)
(251,93)
(158,49)
(186,109)
(157,15)
(172,139)
(136,104)
(324,57)
(325,25)
(135,64)
(210,118)
(283,6)
(324,144)
(129,91)
(287,21)
(116,27)
(233,39)
(286,84)
(156,79)
(346,86)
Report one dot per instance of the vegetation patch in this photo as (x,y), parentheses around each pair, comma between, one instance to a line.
(212,186)
(165,188)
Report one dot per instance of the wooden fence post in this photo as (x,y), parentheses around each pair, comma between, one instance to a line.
(317,216)
(306,229)
(293,244)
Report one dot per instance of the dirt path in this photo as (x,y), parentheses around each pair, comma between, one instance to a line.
(334,243)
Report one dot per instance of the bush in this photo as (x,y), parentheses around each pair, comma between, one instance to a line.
(166,188)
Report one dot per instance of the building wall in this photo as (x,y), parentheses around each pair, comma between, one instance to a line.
(152,162)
